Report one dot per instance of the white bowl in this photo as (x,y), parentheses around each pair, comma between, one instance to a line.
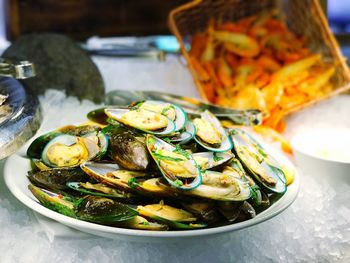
(15,172)
(324,153)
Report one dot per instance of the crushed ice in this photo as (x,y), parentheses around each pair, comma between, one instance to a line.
(316,228)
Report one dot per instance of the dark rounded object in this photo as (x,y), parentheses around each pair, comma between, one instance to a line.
(60,64)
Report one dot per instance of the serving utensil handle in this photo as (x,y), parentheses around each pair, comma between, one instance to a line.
(19,70)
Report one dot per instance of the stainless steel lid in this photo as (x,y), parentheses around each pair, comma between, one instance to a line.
(22,115)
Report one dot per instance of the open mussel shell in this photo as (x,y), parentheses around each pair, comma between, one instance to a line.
(90,208)
(230,210)
(171,111)
(256,163)
(173,217)
(222,187)
(99,189)
(203,209)
(177,166)
(98,116)
(37,146)
(57,178)
(210,134)
(236,211)
(185,135)
(209,160)
(157,187)
(127,148)
(68,147)
(53,201)
(215,186)
(96,143)
(38,165)
(65,151)
(80,130)
(103,210)
(236,169)
(111,174)
(139,222)
(144,120)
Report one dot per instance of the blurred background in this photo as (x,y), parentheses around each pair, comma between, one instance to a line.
(81,19)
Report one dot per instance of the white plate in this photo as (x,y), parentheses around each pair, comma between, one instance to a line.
(16,169)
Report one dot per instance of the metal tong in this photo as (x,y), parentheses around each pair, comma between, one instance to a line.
(18,70)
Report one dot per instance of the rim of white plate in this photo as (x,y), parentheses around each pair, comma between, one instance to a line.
(14,185)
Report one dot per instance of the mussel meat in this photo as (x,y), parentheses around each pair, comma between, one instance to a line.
(174,217)
(254,159)
(210,134)
(171,111)
(112,174)
(144,120)
(177,165)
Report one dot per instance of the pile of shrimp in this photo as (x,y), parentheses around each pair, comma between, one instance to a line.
(257,62)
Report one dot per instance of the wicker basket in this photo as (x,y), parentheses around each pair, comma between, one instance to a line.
(303,17)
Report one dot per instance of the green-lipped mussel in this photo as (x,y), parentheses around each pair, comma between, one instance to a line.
(178,166)
(58,149)
(127,148)
(210,134)
(138,167)
(256,162)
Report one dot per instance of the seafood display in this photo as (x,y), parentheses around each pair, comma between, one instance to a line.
(258,63)
(153,166)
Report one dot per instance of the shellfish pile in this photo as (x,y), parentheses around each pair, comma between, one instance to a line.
(152,166)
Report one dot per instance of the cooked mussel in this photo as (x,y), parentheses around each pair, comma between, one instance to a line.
(171,111)
(90,208)
(221,186)
(36,148)
(103,210)
(236,211)
(141,119)
(53,201)
(204,210)
(215,186)
(38,165)
(157,187)
(96,143)
(100,189)
(57,149)
(65,151)
(230,210)
(111,174)
(209,160)
(127,148)
(183,136)
(255,161)
(79,130)
(139,222)
(57,179)
(174,217)
(210,134)
(98,116)
(177,165)
(235,169)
